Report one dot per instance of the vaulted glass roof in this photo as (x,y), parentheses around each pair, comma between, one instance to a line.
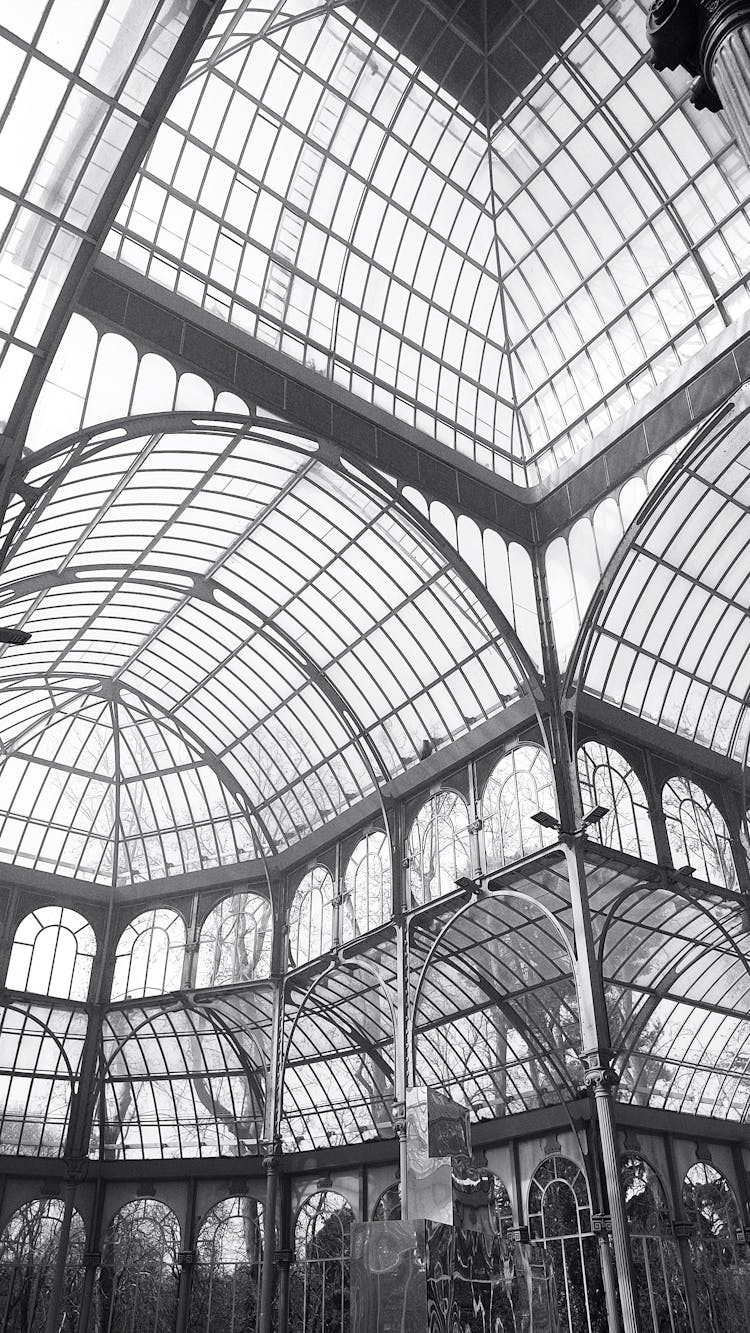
(236,636)
(667,638)
(505,248)
(75,80)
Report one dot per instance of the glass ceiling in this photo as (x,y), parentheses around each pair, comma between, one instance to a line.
(235,637)
(508,273)
(670,639)
(75,80)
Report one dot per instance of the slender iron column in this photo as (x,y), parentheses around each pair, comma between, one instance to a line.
(268,1271)
(52,1322)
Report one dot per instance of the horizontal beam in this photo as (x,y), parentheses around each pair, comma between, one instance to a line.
(154,319)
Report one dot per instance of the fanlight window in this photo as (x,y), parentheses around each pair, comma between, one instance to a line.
(520,785)
(311,916)
(367,886)
(28,1252)
(564,1250)
(139,1275)
(438,848)
(235,941)
(149,956)
(607,779)
(697,833)
(658,1273)
(53,953)
(226,1277)
(320,1292)
(721,1266)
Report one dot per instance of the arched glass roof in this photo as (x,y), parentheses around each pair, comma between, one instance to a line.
(75,82)
(504,247)
(236,635)
(668,638)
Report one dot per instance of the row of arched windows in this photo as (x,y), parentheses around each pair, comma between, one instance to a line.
(555,1278)
(54,947)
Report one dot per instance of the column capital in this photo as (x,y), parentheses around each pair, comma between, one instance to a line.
(270,1151)
(599,1071)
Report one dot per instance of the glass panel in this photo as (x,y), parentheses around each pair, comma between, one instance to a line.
(438,847)
(520,785)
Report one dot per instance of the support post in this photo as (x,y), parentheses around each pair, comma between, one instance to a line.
(602,1079)
(268,1270)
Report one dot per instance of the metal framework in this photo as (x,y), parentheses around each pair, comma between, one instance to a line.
(271,759)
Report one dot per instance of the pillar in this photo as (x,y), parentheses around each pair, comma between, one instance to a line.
(711,39)
(268,1271)
(602,1079)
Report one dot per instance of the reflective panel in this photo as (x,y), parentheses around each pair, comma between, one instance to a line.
(503,255)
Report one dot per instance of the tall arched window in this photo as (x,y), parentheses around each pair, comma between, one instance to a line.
(320,1288)
(53,953)
(235,941)
(388,1206)
(658,1274)
(518,786)
(438,848)
(566,1275)
(697,833)
(149,955)
(28,1252)
(226,1277)
(311,916)
(721,1266)
(139,1275)
(607,779)
(367,886)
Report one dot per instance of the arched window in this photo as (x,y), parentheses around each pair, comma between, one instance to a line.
(311,916)
(607,779)
(235,941)
(320,1290)
(566,1276)
(721,1267)
(53,953)
(388,1206)
(518,786)
(139,1275)
(367,886)
(149,955)
(226,1277)
(28,1252)
(697,833)
(658,1274)
(438,848)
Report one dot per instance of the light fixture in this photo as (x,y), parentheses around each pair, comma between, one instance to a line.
(9,634)
(594,816)
(546,820)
